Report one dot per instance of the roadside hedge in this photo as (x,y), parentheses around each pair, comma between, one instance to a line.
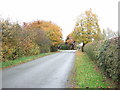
(16,41)
(105,54)
(64,47)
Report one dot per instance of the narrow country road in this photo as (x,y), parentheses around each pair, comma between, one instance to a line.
(47,72)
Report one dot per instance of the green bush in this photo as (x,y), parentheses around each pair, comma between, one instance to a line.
(53,49)
(64,47)
(105,54)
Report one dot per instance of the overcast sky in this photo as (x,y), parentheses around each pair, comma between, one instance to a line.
(61,12)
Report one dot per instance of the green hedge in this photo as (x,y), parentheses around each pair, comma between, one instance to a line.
(105,54)
(53,49)
(65,47)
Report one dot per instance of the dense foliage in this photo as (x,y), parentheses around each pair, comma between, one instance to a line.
(105,53)
(64,47)
(53,31)
(87,28)
(31,39)
(70,42)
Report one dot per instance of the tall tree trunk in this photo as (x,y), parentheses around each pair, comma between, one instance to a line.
(82,48)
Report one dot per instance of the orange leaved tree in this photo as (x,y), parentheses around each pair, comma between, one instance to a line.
(53,31)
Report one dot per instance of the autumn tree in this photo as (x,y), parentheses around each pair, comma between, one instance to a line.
(30,39)
(87,28)
(54,32)
(70,41)
(16,41)
(40,37)
(8,39)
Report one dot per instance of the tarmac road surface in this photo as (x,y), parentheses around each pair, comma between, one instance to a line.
(51,71)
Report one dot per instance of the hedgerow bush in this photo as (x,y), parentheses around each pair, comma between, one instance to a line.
(64,47)
(53,49)
(18,41)
(105,54)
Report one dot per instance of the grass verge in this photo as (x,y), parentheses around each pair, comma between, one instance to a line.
(21,60)
(87,75)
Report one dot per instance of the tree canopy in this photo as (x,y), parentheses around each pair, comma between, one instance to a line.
(30,39)
(87,28)
(54,32)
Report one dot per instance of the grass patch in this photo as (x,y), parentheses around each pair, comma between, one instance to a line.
(21,60)
(87,75)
